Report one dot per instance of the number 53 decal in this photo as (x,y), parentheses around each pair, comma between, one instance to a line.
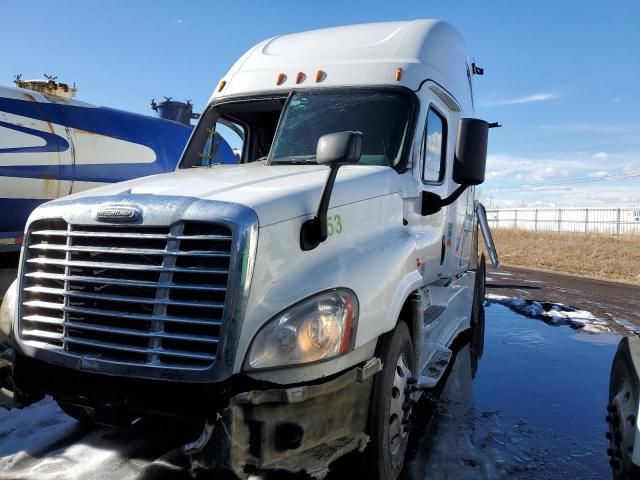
(334,225)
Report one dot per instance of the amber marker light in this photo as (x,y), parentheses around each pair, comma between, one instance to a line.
(349,325)
(223,84)
(281,78)
(300,77)
(320,75)
(398,74)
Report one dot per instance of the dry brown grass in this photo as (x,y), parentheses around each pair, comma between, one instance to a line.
(599,256)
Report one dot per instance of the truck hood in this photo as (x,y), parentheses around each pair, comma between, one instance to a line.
(275,192)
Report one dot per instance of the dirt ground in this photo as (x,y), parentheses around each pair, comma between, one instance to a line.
(599,256)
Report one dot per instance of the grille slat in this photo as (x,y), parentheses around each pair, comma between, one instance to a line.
(122,266)
(127,294)
(42,334)
(129,251)
(159,351)
(43,319)
(140,333)
(42,304)
(116,234)
(133,283)
(120,298)
(147,318)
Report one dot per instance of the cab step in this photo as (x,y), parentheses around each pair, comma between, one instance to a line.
(434,370)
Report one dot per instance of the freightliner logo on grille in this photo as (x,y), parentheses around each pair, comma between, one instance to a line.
(115,213)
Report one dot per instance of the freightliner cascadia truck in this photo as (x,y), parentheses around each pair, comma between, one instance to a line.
(295,304)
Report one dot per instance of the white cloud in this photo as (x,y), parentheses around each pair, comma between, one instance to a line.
(535,97)
(599,174)
(563,128)
(600,155)
(434,143)
(536,169)
(599,194)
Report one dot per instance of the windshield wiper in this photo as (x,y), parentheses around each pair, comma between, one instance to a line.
(301,160)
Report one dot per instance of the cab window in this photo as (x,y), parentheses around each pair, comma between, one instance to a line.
(434,147)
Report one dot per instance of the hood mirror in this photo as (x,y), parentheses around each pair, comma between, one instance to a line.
(334,150)
(340,148)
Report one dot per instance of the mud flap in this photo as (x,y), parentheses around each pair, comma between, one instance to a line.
(299,429)
(486,234)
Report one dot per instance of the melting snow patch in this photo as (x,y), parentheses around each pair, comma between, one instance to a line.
(626,324)
(553,313)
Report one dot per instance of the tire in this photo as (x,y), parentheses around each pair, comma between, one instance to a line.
(388,445)
(621,412)
(477,315)
(79,413)
(482,276)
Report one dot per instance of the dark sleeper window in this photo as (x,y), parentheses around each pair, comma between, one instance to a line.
(434,147)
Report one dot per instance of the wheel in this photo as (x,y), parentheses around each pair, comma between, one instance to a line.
(79,413)
(389,437)
(621,413)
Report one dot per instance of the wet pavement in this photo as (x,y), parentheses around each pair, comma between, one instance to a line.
(535,409)
(531,407)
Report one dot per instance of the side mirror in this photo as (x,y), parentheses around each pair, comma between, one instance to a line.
(334,150)
(470,159)
(340,148)
(469,163)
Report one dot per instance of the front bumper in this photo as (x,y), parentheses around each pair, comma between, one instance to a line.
(298,429)
(294,429)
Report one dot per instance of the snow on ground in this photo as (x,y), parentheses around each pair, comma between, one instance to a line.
(627,325)
(41,442)
(28,431)
(553,313)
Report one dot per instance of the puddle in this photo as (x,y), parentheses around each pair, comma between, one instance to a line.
(533,411)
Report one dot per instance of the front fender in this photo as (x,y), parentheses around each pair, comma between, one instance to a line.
(375,256)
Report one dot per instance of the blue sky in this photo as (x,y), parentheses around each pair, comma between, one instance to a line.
(563,77)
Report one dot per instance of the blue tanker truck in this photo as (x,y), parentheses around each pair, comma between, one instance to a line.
(52,145)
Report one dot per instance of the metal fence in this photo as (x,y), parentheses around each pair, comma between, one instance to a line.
(614,221)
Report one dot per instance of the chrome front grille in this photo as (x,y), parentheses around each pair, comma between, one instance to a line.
(129,294)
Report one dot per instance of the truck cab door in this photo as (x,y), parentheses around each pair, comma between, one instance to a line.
(434,144)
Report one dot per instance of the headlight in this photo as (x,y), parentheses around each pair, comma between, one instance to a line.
(318,328)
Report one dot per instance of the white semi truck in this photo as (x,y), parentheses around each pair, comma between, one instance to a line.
(296,304)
